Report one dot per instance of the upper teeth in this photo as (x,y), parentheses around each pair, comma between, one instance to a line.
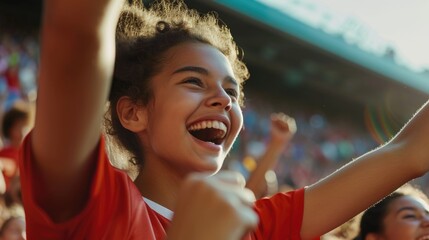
(208,124)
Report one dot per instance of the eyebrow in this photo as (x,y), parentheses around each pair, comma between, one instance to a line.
(192,69)
(203,71)
(406,208)
(409,208)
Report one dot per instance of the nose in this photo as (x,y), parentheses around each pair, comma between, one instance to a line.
(220,99)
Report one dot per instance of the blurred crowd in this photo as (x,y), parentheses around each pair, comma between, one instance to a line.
(319,146)
(18,67)
(18,74)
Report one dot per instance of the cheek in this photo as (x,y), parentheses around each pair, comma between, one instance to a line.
(15,132)
(237,120)
(167,118)
(403,230)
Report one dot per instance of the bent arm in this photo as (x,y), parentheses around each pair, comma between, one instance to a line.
(257,182)
(366,180)
(77,57)
(282,130)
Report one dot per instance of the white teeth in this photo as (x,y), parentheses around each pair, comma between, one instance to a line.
(209,124)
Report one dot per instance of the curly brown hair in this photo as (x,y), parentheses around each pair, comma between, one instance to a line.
(143,36)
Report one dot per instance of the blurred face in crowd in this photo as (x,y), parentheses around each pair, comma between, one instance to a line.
(18,131)
(407,218)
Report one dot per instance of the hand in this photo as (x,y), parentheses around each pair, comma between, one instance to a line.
(283,128)
(213,208)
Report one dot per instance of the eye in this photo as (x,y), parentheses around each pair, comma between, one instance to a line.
(232,92)
(409,216)
(194,81)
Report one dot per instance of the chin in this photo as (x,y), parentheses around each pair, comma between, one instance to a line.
(212,168)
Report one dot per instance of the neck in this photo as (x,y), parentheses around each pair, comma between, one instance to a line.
(159,183)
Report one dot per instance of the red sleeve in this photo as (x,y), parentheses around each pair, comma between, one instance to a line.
(115,209)
(280,216)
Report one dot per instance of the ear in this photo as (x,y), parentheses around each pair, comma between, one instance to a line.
(131,115)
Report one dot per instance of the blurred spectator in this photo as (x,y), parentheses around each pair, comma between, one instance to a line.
(15,124)
(262,180)
(401,215)
(18,68)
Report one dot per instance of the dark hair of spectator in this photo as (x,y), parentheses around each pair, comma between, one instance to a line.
(11,117)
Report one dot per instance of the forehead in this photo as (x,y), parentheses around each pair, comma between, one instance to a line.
(408,201)
(200,55)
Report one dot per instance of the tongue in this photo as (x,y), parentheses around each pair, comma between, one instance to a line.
(207,134)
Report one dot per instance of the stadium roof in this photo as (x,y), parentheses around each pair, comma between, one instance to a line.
(297,54)
(279,20)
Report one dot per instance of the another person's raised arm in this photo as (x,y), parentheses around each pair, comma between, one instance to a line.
(282,130)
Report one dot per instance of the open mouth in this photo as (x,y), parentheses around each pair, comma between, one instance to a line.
(209,131)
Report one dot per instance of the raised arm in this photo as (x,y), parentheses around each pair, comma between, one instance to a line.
(77,57)
(282,130)
(367,179)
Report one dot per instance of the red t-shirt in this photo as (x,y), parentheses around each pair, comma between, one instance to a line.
(11,153)
(116,209)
